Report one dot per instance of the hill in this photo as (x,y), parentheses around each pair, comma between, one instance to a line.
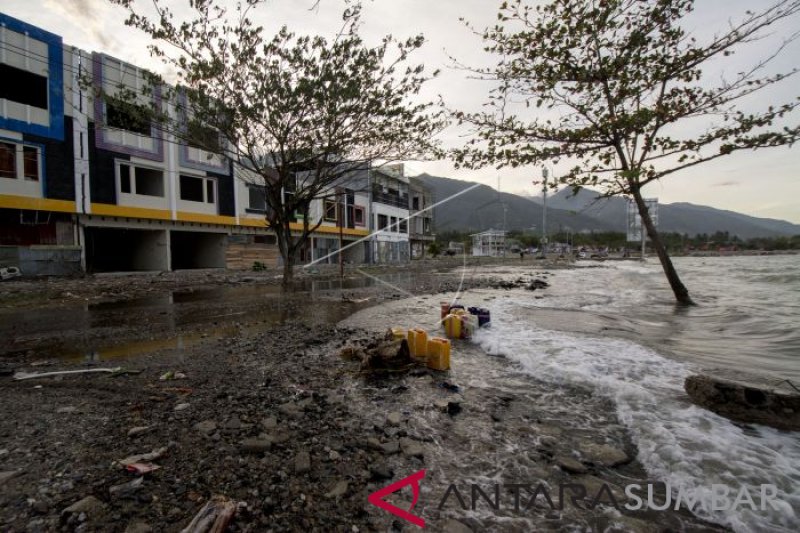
(482,208)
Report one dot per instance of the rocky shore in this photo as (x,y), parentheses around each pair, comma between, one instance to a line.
(272,419)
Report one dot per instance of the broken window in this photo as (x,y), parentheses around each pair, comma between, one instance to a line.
(149,182)
(23,87)
(330,211)
(257,198)
(210,191)
(8,160)
(383,221)
(191,188)
(394,224)
(358,214)
(125,179)
(128,116)
(404,226)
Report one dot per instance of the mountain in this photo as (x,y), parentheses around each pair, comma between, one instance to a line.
(482,208)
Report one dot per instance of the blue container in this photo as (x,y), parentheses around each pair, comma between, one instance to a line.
(484,316)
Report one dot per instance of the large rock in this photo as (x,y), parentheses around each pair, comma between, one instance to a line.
(603,454)
(745,403)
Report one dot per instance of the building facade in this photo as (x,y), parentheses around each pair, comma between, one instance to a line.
(421,233)
(490,243)
(389,188)
(86,186)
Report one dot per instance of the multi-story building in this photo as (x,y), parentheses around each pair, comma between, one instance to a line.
(87,185)
(421,222)
(390,212)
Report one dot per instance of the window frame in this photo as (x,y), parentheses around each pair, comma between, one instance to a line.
(327,205)
(132,166)
(205,182)
(19,160)
(359,210)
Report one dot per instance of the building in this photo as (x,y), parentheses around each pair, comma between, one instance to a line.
(87,186)
(421,223)
(389,190)
(490,243)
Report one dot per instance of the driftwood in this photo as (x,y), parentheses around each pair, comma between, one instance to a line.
(214,516)
(745,403)
(117,371)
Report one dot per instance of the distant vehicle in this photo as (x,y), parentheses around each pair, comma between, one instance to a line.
(451,252)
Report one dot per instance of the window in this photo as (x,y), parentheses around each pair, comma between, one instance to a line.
(415,203)
(125,179)
(18,161)
(383,221)
(191,188)
(23,87)
(404,226)
(203,137)
(394,224)
(197,189)
(30,163)
(358,215)
(257,198)
(141,180)
(210,192)
(127,116)
(330,211)
(149,182)
(8,161)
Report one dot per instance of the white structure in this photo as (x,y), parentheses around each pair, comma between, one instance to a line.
(390,212)
(490,243)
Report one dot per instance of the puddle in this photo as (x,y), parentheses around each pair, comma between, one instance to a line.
(177,321)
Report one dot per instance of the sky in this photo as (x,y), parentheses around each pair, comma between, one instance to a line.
(763,183)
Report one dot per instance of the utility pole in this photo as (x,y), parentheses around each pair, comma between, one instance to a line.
(545,175)
(342,211)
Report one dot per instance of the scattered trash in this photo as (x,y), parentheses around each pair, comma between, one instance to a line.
(452,387)
(181,407)
(9,273)
(125,490)
(537,284)
(20,376)
(484,315)
(213,517)
(350,300)
(141,468)
(135,432)
(144,457)
(168,376)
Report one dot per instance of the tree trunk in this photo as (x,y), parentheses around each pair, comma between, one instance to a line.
(678,288)
(284,235)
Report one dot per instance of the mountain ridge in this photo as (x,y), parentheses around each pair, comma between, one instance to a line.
(484,207)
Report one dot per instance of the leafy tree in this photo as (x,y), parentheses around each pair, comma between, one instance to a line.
(300,114)
(620,89)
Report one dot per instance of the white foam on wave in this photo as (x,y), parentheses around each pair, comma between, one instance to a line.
(680,444)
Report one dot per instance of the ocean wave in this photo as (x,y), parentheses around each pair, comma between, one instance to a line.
(679,443)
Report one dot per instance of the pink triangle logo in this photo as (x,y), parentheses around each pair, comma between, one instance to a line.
(377,498)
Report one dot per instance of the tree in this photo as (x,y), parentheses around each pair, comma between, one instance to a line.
(619,88)
(300,115)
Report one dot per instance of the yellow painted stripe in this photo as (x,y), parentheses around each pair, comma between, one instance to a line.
(205,218)
(10,201)
(130,212)
(261,223)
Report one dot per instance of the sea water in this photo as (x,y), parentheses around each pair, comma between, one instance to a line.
(746,321)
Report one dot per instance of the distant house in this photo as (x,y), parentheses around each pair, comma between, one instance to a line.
(490,243)
(421,222)
(389,238)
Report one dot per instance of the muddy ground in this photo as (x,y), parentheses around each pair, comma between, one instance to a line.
(269,416)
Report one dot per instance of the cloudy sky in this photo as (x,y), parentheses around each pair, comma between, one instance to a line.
(763,183)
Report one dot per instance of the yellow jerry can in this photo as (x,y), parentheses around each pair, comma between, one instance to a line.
(439,354)
(398,333)
(452,326)
(418,342)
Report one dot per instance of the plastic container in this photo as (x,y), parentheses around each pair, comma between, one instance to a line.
(452,326)
(445,309)
(438,354)
(469,323)
(398,333)
(484,316)
(418,342)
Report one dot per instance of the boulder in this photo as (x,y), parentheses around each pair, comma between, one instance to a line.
(744,402)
